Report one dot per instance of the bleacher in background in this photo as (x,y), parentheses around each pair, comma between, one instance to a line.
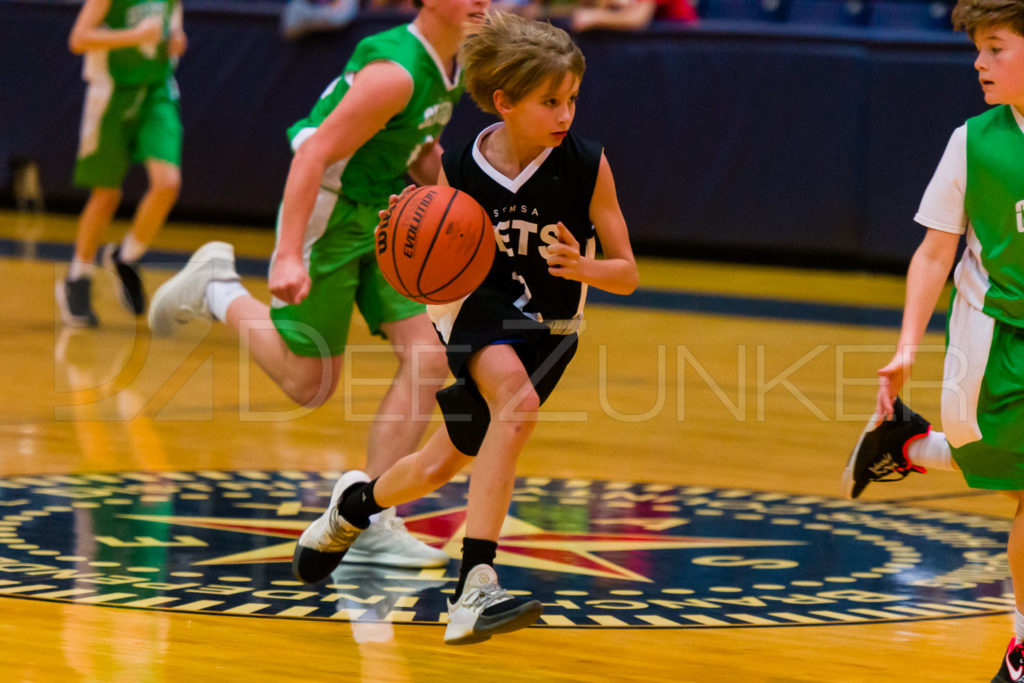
(777,128)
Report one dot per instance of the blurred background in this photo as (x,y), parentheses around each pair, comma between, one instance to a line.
(796,132)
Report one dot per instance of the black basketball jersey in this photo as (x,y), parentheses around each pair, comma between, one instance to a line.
(556,186)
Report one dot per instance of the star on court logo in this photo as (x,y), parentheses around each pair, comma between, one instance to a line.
(597,554)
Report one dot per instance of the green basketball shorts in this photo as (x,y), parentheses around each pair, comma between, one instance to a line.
(123,124)
(339,252)
(983,398)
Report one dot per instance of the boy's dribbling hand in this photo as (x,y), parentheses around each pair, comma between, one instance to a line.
(564,255)
(289,280)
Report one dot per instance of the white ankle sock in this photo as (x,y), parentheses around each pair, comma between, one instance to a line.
(932,451)
(80,269)
(131,249)
(1018,623)
(220,294)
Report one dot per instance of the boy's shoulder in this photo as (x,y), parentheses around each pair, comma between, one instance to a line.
(383,41)
(582,145)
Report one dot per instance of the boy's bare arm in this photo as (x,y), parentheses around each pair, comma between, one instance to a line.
(929,269)
(178,42)
(378,92)
(427,166)
(88,33)
(616,272)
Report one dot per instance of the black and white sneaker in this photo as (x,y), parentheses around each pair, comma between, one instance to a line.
(881,452)
(326,540)
(1011,670)
(485,609)
(131,292)
(74,299)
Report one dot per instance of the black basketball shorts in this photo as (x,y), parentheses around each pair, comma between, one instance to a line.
(483,319)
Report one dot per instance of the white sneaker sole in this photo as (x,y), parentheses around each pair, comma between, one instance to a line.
(846,488)
(467,634)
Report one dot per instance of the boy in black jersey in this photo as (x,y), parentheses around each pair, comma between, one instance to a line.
(551,196)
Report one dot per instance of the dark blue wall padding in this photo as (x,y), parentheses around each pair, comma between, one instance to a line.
(778,137)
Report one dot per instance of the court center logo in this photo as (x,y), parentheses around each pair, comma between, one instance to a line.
(595,553)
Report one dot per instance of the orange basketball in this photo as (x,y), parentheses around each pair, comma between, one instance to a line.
(436,245)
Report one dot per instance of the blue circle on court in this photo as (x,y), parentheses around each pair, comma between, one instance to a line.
(597,554)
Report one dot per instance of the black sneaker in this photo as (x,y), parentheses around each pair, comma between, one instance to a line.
(131,293)
(74,299)
(881,451)
(1011,670)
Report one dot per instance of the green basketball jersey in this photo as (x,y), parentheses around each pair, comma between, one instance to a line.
(133,65)
(377,169)
(994,200)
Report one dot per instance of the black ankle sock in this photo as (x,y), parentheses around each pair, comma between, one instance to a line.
(357,504)
(474,551)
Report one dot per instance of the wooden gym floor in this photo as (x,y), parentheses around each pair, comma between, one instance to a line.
(728,381)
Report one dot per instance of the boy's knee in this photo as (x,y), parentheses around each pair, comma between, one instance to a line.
(165,181)
(433,365)
(517,405)
(307,390)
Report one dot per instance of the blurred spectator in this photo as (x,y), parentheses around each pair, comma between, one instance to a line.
(301,17)
(629,15)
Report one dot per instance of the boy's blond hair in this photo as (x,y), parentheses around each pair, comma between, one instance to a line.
(515,55)
(970,15)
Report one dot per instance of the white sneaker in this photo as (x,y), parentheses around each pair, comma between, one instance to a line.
(387,542)
(324,542)
(183,297)
(467,622)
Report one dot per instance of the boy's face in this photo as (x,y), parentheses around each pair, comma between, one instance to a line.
(543,116)
(459,12)
(1000,65)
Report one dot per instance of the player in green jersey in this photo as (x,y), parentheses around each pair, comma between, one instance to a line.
(377,122)
(131,114)
(977,190)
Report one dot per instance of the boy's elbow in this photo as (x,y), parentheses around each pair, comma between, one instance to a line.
(75,44)
(629,282)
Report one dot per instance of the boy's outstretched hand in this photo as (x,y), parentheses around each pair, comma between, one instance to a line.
(564,256)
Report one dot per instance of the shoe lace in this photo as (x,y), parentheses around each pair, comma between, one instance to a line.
(339,532)
(486,595)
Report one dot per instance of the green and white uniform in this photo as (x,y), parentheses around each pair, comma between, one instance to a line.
(978,189)
(131,111)
(339,244)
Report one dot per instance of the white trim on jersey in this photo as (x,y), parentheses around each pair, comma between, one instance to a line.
(510,184)
(449,83)
(443,317)
(970,341)
(97,97)
(591,250)
(942,206)
(315,228)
